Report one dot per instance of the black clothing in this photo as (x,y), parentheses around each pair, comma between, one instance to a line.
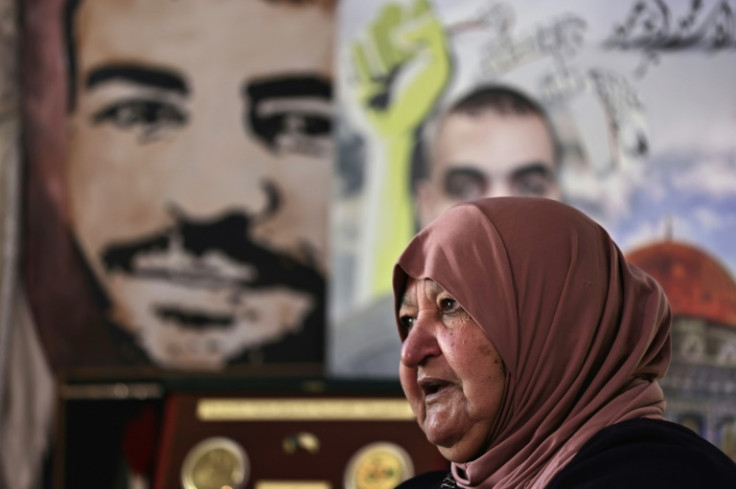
(647,454)
(430,480)
(635,454)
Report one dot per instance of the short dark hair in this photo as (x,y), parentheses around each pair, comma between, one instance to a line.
(501,99)
(70,11)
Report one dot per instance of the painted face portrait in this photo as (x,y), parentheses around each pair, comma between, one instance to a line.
(495,142)
(198,150)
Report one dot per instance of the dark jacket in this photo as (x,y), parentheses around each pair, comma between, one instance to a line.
(635,454)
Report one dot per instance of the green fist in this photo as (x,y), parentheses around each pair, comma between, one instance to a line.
(401,67)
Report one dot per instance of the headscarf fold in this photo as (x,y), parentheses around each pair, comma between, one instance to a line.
(583,334)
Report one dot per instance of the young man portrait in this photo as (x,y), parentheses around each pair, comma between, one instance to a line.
(495,141)
(198,143)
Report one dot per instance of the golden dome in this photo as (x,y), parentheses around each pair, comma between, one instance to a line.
(696,284)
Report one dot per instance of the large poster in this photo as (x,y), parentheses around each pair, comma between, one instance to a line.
(176,152)
(625,110)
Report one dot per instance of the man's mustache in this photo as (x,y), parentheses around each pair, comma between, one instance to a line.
(228,235)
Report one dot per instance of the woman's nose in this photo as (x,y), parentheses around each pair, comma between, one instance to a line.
(420,344)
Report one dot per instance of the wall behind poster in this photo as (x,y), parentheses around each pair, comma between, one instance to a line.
(640,95)
(173,152)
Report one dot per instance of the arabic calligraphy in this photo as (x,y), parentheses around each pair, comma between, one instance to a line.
(560,39)
(653,27)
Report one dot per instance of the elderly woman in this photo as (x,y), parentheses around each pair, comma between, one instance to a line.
(531,352)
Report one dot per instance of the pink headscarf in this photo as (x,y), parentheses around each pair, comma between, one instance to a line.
(583,334)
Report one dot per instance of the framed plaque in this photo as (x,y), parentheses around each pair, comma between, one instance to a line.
(214,431)
(322,435)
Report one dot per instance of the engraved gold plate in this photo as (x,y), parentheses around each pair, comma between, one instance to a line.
(379,465)
(304,410)
(214,463)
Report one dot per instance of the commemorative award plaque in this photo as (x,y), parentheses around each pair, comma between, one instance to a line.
(352,436)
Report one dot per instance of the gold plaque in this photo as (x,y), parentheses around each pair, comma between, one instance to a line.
(214,463)
(380,465)
(304,410)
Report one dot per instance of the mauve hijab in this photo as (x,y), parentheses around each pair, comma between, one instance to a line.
(582,333)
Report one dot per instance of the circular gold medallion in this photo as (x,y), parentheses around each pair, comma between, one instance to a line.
(214,463)
(379,465)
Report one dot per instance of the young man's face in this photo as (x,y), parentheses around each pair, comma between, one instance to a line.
(488,155)
(197,167)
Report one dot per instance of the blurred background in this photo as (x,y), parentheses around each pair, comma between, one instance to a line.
(201,204)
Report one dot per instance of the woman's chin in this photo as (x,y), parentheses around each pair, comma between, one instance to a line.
(451,446)
(455,453)
(458,446)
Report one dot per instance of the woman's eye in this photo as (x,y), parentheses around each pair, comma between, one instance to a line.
(406,322)
(448,305)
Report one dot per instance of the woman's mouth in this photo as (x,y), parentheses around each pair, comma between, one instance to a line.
(433,388)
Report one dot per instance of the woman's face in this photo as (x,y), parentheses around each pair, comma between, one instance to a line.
(450,371)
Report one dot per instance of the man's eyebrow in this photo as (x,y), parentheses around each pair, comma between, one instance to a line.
(533,167)
(464,170)
(141,75)
(288,86)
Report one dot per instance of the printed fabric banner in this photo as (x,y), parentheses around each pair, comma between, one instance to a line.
(176,154)
(625,110)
